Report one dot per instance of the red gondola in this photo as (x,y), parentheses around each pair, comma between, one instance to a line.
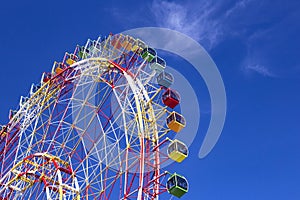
(46,77)
(171,98)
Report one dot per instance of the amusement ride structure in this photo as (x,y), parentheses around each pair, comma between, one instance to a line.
(98,126)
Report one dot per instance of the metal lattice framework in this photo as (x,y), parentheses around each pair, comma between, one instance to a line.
(94,128)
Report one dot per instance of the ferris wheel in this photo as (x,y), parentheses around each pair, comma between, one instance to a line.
(98,126)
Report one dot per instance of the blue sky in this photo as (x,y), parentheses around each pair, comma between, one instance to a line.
(255,45)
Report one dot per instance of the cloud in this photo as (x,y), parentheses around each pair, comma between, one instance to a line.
(259,69)
(199,21)
(237,7)
(198,24)
(211,23)
(205,21)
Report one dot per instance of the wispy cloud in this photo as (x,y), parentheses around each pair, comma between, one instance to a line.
(203,25)
(197,24)
(259,69)
(237,7)
(211,23)
(204,21)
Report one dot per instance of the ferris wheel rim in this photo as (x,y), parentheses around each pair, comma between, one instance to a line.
(140,93)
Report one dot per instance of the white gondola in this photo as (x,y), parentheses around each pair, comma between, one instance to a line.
(34,88)
(12,113)
(23,100)
(158,64)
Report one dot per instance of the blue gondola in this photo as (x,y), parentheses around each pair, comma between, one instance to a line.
(165,79)
(158,64)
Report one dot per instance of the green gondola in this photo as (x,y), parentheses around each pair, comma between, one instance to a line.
(177,185)
(83,53)
(148,54)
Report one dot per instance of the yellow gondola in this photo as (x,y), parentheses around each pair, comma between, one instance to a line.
(177,151)
(3,130)
(71,59)
(138,46)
